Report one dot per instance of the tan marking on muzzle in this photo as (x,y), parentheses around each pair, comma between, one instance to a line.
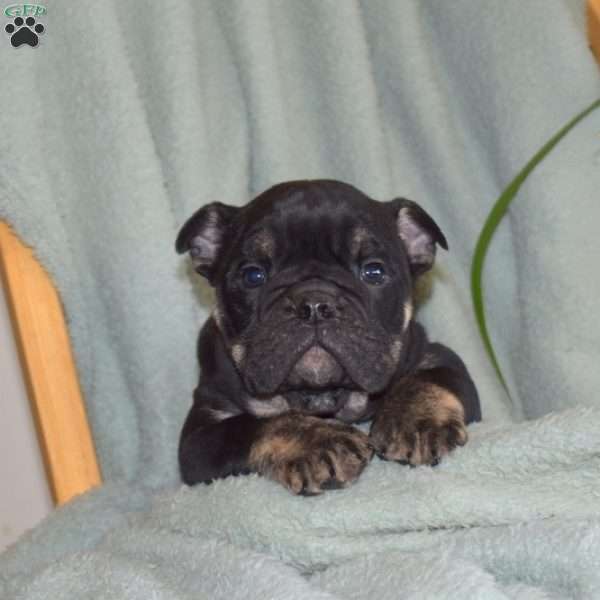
(357,401)
(268,408)
(354,407)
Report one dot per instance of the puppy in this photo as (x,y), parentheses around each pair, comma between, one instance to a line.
(314,331)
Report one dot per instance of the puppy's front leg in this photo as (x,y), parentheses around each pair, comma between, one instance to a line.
(423,415)
(309,455)
(305,454)
(215,444)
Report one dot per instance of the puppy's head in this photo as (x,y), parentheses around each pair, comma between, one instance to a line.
(313,282)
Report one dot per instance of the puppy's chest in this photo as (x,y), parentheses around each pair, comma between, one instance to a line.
(345,405)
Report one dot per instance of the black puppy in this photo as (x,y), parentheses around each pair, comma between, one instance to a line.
(313,330)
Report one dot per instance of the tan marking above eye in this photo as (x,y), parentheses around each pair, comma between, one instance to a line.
(359,235)
(264,243)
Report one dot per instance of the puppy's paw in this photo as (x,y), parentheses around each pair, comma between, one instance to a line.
(421,431)
(308,455)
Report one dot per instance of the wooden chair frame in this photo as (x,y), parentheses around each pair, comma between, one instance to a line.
(593,27)
(49,371)
(47,360)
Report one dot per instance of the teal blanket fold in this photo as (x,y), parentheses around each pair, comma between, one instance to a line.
(512,515)
(130,115)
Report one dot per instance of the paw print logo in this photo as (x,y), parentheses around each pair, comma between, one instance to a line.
(24,32)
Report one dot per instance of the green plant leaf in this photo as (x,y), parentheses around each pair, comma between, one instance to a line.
(491,224)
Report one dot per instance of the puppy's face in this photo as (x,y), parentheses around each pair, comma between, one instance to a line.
(313,283)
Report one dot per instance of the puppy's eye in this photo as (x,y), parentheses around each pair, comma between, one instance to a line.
(253,276)
(373,273)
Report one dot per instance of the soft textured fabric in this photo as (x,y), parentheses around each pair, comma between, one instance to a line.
(511,515)
(130,115)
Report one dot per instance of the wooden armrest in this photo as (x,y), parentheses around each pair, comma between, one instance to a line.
(593,27)
(49,371)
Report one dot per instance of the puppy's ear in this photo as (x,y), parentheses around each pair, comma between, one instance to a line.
(203,236)
(420,234)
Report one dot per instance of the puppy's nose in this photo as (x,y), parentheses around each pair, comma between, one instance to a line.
(308,310)
(314,300)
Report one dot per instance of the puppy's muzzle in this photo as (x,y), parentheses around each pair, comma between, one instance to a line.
(315,301)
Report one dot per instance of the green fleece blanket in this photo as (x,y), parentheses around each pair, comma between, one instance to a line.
(513,515)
